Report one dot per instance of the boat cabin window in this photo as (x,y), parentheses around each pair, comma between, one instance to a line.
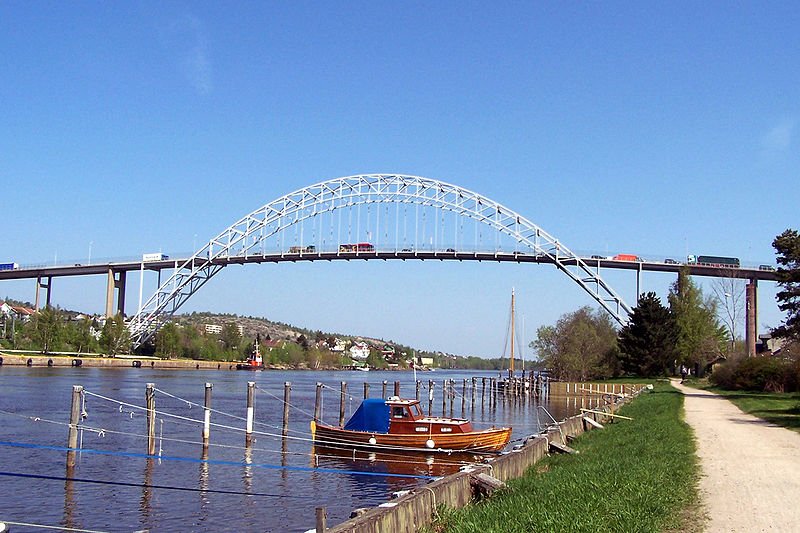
(398,411)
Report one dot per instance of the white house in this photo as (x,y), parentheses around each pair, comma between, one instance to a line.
(359,350)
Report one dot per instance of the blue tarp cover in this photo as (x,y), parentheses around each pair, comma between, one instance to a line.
(372,415)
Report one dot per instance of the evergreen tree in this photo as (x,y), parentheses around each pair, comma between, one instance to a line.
(787,247)
(648,343)
(701,335)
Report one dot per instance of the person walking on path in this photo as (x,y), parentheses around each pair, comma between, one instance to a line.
(750,468)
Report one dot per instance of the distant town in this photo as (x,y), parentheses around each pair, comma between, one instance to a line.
(216,337)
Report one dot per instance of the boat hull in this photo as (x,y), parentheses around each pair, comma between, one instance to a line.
(490,440)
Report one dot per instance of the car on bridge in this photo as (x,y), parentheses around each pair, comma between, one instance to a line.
(302,249)
(766,268)
(670,261)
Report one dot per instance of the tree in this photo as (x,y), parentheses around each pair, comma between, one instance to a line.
(580,346)
(730,299)
(787,247)
(79,335)
(115,337)
(701,336)
(168,341)
(46,328)
(230,336)
(648,343)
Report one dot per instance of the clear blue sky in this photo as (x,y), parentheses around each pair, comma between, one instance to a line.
(638,127)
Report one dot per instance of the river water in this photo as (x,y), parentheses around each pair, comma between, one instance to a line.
(274,485)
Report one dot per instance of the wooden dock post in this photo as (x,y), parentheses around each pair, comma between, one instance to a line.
(74,420)
(207,416)
(463,397)
(318,402)
(342,398)
(483,389)
(397,388)
(366,390)
(251,400)
(444,397)
(452,395)
(418,384)
(287,390)
(150,402)
(383,392)
(474,391)
(322,519)
(430,397)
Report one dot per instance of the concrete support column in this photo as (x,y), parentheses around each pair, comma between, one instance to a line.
(115,281)
(751,316)
(110,294)
(120,284)
(46,287)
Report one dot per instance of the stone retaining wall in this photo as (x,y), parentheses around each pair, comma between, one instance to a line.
(126,362)
(412,511)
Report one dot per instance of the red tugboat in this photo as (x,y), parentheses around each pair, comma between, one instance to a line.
(399,423)
(254,361)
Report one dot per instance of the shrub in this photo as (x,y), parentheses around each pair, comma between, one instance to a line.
(762,374)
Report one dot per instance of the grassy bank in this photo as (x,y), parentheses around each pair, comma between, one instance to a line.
(637,475)
(782,409)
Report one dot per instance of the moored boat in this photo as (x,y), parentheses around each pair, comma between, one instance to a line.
(400,423)
(254,360)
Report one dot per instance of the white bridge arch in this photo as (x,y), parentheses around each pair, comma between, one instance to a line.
(444,209)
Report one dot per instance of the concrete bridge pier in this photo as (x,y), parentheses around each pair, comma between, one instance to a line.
(116,280)
(751,316)
(46,287)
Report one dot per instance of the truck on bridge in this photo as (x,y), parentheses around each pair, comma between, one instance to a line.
(9,266)
(360,247)
(713,261)
(154,257)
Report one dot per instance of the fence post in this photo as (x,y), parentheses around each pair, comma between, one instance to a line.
(318,402)
(341,403)
(74,420)
(150,400)
(287,389)
(430,397)
(207,416)
(251,400)
(322,518)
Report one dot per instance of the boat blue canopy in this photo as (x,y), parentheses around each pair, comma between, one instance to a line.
(372,415)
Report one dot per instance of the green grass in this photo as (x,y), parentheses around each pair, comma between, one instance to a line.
(637,475)
(782,409)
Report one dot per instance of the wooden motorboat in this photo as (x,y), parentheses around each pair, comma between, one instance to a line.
(400,423)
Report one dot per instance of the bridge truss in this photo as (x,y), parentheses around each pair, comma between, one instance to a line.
(382,212)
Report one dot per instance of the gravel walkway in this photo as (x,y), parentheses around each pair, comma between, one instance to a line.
(750,468)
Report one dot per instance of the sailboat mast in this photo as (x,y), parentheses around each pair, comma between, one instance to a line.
(511,366)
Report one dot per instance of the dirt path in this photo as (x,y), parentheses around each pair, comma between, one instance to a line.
(750,468)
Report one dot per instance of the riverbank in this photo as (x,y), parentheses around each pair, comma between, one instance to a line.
(137,361)
(635,475)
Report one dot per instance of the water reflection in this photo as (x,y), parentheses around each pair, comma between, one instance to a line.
(268,484)
(145,504)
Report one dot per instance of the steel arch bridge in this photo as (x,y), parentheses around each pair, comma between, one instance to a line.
(328,220)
